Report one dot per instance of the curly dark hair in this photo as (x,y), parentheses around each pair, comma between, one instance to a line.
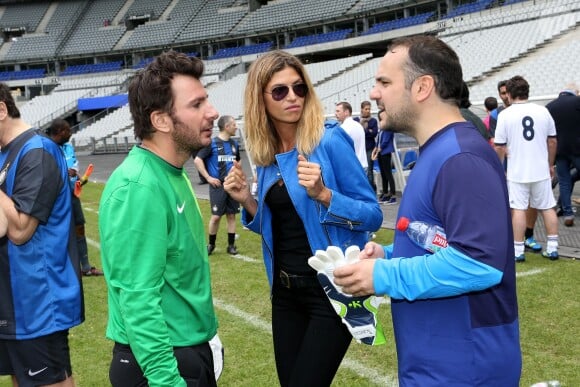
(150,90)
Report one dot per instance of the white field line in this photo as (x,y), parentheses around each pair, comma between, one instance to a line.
(385,301)
(93,243)
(245,258)
(89,209)
(371,374)
(529,272)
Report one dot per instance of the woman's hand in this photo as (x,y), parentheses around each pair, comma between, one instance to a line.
(310,177)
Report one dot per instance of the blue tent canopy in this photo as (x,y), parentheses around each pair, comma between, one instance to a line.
(97,103)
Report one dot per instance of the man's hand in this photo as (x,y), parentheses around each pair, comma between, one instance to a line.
(356,279)
(214,182)
(372,250)
(357,313)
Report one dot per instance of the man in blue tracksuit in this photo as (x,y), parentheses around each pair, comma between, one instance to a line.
(455,313)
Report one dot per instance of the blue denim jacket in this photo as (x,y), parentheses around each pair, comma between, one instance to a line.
(353,211)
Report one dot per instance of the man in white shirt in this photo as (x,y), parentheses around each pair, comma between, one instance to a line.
(354,129)
(527,134)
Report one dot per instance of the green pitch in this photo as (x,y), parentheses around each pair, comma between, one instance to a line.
(548,298)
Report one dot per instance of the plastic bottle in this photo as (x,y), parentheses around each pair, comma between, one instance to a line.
(428,236)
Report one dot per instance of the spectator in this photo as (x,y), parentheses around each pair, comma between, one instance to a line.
(354,129)
(468,115)
(565,111)
(490,104)
(59,131)
(40,287)
(383,151)
(213,163)
(502,91)
(311,194)
(455,314)
(526,133)
(161,314)
(371,127)
(530,242)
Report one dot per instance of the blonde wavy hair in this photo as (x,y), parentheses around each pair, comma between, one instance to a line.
(261,139)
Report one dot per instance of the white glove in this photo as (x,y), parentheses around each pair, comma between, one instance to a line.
(357,313)
(326,261)
(217,350)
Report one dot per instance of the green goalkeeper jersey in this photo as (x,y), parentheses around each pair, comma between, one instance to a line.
(156,265)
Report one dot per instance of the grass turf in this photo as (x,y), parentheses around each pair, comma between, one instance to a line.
(548,304)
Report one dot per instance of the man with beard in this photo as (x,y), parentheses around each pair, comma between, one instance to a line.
(161,314)
(455,314)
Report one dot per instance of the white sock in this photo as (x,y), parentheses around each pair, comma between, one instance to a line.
(519,248)
(552,244)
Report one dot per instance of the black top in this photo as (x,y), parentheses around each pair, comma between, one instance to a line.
(291,247)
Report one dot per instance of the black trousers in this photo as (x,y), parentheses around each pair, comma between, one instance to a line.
(387,174)
(309,338)
(195,364)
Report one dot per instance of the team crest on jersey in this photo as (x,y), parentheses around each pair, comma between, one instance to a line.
(3,173)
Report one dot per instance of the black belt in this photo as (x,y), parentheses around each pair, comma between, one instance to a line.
(292,281)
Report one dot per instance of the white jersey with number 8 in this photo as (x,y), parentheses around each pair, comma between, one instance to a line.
(525,128)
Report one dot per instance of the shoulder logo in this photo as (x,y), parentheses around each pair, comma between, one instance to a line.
(180,208)
(3,173)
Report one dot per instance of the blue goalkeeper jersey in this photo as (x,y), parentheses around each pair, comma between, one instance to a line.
(455,312)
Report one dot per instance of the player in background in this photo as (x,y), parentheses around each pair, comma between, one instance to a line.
(213,163)
(526,133)
(59,131)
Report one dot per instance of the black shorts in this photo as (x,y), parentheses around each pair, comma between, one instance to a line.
(77,211)
(221,203)
(195,364)
(37,362)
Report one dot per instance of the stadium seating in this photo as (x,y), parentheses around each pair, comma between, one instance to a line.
(152,8)
(243,50)
(92,68)
(91,35)
(23,74)
(44,44)
(320,38)
(162,32)
(399,23)
(24,15)
(541,46)
(215,19)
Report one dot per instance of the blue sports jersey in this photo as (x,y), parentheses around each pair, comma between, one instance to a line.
(219,157)
(71,161)
(455,312)
(39,281)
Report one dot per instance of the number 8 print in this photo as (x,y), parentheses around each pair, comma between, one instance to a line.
(528,124)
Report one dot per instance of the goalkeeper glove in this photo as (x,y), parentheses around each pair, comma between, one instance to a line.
(357,313)
(217,351)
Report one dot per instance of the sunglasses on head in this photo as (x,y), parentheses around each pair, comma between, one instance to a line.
(280,92)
